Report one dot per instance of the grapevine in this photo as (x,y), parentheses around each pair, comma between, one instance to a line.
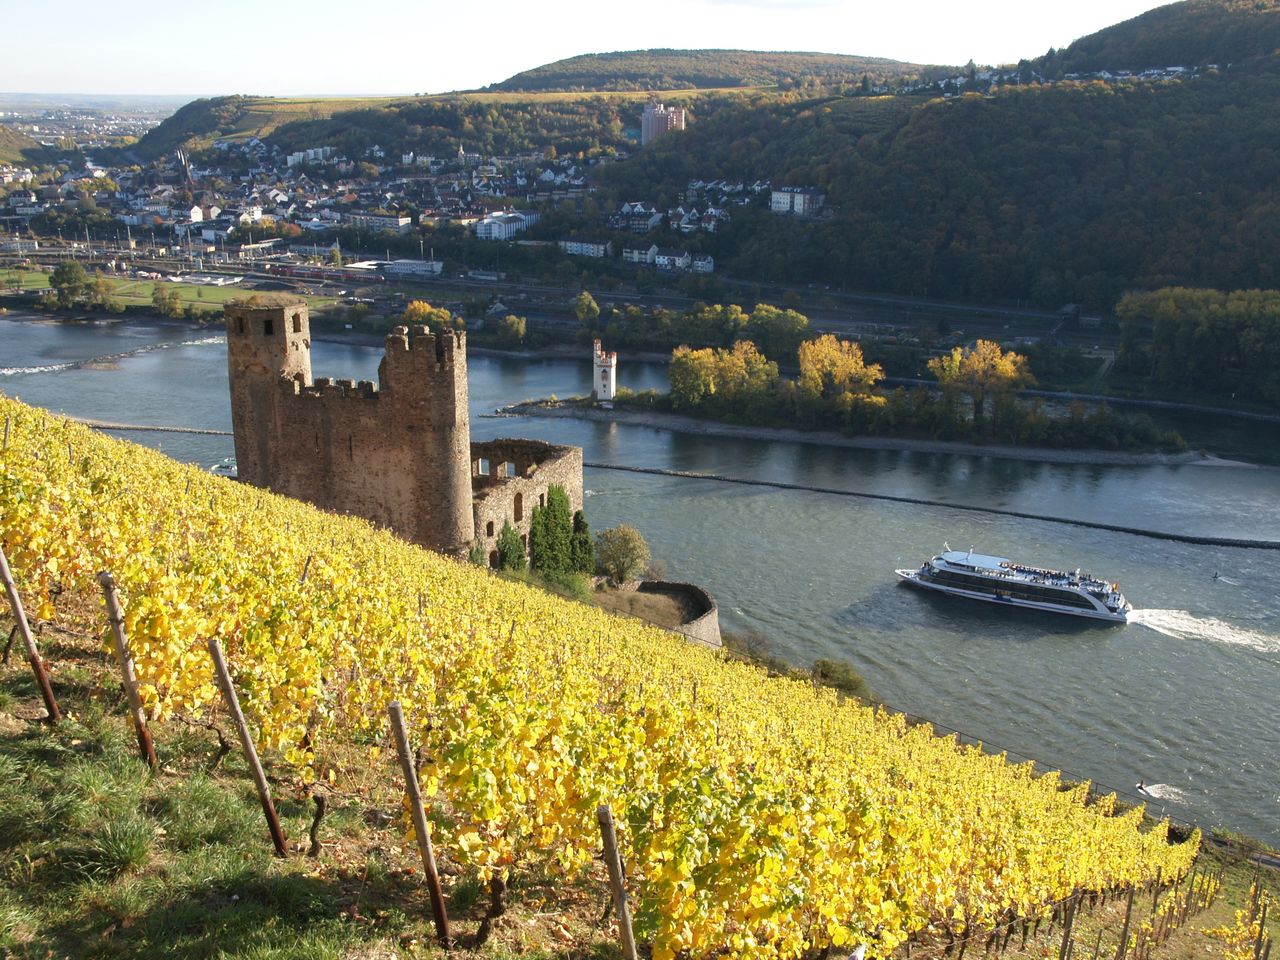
(759,817)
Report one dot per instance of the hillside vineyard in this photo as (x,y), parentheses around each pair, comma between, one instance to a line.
(758,817)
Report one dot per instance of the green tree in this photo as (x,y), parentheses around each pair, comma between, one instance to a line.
(551,533)
(69,282)
(167,300)
(621,553)
(587,310)
(510,549)
(581,550)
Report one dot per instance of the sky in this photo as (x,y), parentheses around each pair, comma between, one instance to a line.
(292,47)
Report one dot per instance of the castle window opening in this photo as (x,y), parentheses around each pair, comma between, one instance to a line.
(239,324)
(511,469)
(297,323)
(268,326)
(488,529)
(494,558)
(482,467)
(542,499)
(519,507)
(351,447)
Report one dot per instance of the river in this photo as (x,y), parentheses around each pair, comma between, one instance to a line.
(1184,698)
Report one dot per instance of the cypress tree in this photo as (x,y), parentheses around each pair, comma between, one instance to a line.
(582,550)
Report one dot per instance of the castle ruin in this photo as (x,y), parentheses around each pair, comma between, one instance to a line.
(398,452)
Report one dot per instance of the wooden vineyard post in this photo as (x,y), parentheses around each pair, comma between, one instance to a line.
(228,689)
(115,617)
(614,862)
(1262,933)
(1124,932)
(420,824)
(33,653)
(1068,921)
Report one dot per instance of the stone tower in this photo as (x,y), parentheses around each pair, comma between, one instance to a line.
(605,373)
(397,453)
(264,344)
(423,379)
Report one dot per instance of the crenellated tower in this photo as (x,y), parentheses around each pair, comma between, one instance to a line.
(423,378)
(264,344)
(397,453)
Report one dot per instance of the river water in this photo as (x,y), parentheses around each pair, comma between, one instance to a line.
(1186,698)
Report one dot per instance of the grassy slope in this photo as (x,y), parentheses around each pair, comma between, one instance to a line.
(17,148)
(201,122)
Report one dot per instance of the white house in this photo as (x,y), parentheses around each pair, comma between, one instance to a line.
(640,254)
(579,247)
(505,225)
(676,261)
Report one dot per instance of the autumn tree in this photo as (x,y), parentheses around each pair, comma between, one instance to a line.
(621,553)
(981,372)
(830,368)
(419,312)
(692,374)
(511,330)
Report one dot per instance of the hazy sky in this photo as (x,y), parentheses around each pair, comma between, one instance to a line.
(425,46)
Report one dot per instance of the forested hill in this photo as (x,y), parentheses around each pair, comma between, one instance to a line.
(1191,33)
(702,69)
(1060,193)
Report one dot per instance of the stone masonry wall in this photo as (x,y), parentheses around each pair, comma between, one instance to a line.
(396,452)
(510,494)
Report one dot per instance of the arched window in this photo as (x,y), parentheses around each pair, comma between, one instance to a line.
(297,323)
(488,529)
(519,507)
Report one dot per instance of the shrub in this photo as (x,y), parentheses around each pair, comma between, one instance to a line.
(840,675)
(510,549)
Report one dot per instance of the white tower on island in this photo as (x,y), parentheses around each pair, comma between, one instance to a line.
(605,374)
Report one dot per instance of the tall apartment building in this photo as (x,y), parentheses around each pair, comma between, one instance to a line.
(658,120)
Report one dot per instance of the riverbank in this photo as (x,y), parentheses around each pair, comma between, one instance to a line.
(711,428)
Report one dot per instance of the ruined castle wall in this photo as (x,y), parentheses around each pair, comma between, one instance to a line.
(500,498)
(396,453)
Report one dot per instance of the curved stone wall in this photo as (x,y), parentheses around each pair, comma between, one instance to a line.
(703,628)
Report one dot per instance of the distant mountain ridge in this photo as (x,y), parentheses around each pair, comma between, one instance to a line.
(1190,33)
(666,69)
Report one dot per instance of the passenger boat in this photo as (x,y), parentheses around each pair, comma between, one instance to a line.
(998,580)
(225,468)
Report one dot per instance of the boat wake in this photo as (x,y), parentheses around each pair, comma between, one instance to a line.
(1182,625)
(107,358)
(1164,791)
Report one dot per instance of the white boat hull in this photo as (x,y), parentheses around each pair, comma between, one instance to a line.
(991,596)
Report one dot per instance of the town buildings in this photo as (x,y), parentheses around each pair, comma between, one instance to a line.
(657,120)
